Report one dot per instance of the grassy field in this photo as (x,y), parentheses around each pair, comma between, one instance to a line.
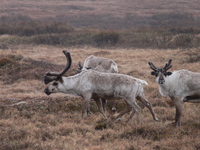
(129,24)
(31,120)
(33,34)
(112,14)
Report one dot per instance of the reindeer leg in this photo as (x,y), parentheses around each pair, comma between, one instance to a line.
(148,105)
(131,116)
(85,108)
(101,106)
(86,104)
(179,106)
(128,108)
(135,109)
(104,102)
(178,115)
(88,111)
(114,106)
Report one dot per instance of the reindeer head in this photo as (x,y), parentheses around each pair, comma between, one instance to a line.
(161,73)
(80,67)
(57,85)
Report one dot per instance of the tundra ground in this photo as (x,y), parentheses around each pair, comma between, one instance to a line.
(31,120)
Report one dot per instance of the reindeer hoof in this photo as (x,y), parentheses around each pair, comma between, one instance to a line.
(89,113)
(118,119)
(114,109)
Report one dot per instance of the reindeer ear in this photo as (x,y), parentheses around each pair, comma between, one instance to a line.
(154,73)
(167,73)
(61,80)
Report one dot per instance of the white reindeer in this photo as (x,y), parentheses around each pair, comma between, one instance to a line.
(99,64)
(92,84)
(181,86)
(102,65)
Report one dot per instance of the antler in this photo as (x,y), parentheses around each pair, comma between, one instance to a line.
(168,65)
(152,66)
(57,75)
(48,79)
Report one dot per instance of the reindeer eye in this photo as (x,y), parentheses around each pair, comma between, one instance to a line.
(55,83)
(167,73)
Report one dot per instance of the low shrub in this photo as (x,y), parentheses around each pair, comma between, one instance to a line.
(60,33)
(32,27)
(104,38)
(181,41)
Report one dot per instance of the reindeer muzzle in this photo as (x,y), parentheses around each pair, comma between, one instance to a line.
(46,91)
(161,81)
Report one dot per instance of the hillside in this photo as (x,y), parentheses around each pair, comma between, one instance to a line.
(105,14)
(29,119)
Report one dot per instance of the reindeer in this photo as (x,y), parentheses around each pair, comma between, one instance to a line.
(99,64)
(93,84)
(102,65)
(181,86)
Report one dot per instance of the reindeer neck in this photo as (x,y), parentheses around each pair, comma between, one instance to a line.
(70,82)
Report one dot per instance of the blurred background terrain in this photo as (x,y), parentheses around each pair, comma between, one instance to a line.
(33,34)
(127,24)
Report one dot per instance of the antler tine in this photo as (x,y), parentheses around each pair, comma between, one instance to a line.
(152,66)
(48,79)
(68,65)
(168,65)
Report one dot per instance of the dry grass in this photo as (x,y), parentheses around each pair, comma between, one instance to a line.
(45,8)
(31,120)
(105,14)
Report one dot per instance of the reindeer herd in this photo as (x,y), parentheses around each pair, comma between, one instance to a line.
(98,79)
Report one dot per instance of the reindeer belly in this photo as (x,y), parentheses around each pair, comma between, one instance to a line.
(107,94)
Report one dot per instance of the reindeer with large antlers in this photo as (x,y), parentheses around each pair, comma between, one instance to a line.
(92,84)
(181,86)
(58,77)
